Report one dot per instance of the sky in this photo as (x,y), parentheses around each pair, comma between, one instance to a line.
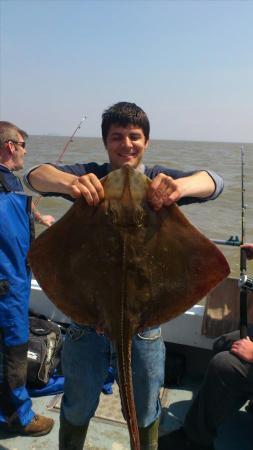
(188,64)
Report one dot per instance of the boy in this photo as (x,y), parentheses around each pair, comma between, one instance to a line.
(125,132)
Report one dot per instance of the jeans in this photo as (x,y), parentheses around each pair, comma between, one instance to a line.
(86,358)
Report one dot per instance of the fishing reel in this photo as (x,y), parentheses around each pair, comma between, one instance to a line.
(246,282)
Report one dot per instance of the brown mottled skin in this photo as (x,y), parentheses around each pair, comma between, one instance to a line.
(121,267)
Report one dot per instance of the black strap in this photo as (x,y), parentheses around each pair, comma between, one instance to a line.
(31,219)
(4,186)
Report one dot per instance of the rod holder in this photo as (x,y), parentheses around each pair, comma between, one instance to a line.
(246,282)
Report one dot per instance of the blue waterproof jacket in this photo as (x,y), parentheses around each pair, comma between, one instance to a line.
(15,277)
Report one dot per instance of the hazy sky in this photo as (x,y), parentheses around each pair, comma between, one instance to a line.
(188,64)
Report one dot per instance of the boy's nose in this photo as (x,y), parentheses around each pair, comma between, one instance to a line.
(128,142)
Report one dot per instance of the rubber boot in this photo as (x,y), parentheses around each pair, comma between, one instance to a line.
(71,437)
(149,436)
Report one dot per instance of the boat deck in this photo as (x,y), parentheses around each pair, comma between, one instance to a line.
(108,431)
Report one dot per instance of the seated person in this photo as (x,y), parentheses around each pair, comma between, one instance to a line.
(229,377)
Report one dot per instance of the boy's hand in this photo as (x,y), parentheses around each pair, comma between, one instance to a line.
(163,191)
(89,187)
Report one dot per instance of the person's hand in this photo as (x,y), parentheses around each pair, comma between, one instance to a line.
(243,348)
(46,220)
(248,249)
(163,191)
(89,187)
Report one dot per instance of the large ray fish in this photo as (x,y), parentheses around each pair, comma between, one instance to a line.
(121,267)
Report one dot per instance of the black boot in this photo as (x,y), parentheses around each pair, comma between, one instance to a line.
(71,437)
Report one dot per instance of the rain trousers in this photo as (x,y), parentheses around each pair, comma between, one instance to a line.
(16,232)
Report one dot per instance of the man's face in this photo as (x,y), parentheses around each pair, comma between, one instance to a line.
(125,146)
(18,154)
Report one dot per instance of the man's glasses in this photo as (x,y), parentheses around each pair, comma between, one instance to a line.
(22,144)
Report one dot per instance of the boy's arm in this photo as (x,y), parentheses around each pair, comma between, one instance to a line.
(47,178)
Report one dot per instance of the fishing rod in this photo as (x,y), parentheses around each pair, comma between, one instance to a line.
(245,282)
(243,260)
(59,159)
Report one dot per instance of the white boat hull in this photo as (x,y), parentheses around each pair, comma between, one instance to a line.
(185,329)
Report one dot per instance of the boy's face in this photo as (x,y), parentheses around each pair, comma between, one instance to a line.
(125,146)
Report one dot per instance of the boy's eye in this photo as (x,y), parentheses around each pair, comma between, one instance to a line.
(134,137)
(116,137)
(119,137)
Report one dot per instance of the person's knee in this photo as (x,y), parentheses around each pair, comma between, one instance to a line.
(221,363)
(225,367)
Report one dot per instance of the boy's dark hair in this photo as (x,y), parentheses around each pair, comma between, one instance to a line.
(124,114)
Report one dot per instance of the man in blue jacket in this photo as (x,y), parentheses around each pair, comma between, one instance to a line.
(125,132)
(16,230)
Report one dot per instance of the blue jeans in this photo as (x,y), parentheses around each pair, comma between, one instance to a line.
(86,358)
